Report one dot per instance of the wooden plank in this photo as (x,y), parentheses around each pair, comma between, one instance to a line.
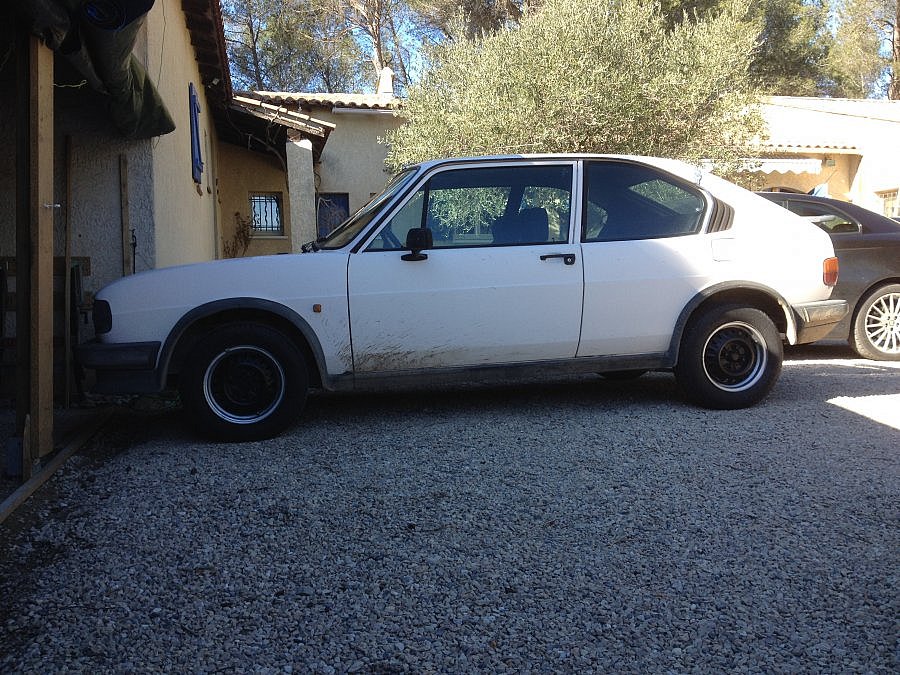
(43,210)
(127,257)
(23,234)
(86,432)
(59,265)
(67,303)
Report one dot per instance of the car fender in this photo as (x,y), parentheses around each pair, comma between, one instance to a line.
(733,292)
(256,306)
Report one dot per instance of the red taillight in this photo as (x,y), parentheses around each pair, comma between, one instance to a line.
(830,271)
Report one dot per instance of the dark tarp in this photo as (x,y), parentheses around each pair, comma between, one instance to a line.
(97,37)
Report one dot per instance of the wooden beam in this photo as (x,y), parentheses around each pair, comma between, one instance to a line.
(127,251)
(43,208)
(67,272)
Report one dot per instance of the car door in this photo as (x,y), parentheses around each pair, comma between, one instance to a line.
(503,283)
(642,260)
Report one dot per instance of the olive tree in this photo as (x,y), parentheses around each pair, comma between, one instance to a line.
(584,76)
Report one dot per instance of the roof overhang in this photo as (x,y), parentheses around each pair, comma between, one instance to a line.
(785,149)
(261,126)
(786,165)
(362,103)
(241,120)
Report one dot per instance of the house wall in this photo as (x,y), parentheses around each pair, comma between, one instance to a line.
(879,168)
(353,159)
(88,156)
(861,136)
(185,213)
(241,172)
(352,162)
(104,171)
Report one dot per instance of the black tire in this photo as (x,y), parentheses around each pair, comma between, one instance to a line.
(876,327)
(730,357)
(620,375)
(244,382)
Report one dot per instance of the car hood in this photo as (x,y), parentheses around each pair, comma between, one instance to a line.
(158,298)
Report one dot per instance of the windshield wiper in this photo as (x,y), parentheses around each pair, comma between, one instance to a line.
(311,246)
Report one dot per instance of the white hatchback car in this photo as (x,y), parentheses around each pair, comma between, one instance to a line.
(479,267)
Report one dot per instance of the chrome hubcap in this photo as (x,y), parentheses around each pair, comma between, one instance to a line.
(244,384)
(735,357)
(883,323)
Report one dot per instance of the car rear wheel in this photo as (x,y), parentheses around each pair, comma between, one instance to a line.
(730,357)
(876,328)
(244,382)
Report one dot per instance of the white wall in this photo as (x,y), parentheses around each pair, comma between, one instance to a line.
(353,159)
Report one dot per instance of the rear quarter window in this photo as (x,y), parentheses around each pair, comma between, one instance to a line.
(626,201)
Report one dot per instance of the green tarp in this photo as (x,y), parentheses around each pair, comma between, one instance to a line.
(97,37)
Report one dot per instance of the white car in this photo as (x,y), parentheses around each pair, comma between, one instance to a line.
(492,266)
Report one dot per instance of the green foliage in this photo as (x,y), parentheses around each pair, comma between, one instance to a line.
(859,61)
(289,45)
(791,57)
(581,76)
(478,17)
(677,11)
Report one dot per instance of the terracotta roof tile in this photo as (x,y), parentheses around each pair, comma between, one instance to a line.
(313,100)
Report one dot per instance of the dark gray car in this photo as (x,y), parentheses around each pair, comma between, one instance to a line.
(868,247)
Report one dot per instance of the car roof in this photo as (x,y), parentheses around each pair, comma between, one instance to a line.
(682,169)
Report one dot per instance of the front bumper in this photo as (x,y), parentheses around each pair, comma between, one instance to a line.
(815,320)
(126,368)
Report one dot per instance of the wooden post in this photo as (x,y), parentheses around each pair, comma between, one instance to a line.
(67,312)
(42,211)
(127,253)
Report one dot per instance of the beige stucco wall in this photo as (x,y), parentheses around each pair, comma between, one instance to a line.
(861,138)
(185,213)
(241,172)
(353,159)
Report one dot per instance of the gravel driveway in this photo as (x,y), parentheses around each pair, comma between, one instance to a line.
(566,526)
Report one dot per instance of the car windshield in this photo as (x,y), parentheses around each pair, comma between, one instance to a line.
(347,231)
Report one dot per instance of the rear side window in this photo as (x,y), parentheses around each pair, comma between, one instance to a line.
(829,219)
(627,201)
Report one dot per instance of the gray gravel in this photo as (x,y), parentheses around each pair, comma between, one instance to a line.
(567,526)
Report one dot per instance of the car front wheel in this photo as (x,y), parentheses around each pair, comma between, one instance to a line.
(730,357)
(244,382)
(876,328)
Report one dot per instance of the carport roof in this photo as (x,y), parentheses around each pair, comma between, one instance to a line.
(820,125)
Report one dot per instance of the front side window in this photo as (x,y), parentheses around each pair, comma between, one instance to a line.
(628,201)
(265,208)
(829,219)
(491,206)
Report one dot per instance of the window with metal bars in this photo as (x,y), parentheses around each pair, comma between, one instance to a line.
(265,207)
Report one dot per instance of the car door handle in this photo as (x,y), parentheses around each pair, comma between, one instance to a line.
(568,258)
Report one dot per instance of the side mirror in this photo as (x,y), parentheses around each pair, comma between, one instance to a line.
(417,240)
